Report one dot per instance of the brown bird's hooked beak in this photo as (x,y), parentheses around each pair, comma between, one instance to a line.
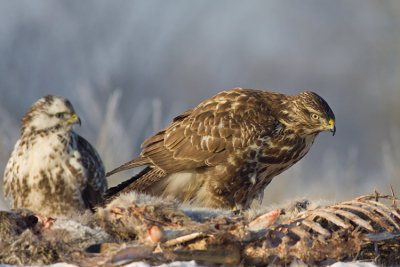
(332,127)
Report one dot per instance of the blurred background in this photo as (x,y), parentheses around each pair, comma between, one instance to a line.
(129,67)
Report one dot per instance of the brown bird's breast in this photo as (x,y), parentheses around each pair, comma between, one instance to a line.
(267,158)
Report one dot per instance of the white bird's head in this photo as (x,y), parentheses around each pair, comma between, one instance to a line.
(49,112)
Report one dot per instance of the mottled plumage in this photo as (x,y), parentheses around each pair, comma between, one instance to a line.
(224,152)
(52,170)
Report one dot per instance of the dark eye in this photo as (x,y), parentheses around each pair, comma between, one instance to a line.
(60,115)
(314,116)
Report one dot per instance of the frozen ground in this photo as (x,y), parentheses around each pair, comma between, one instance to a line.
(193,264)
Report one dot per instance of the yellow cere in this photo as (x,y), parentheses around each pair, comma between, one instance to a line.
(331,122)
(72,119)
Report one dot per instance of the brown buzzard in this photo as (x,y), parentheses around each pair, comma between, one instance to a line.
(225,151)
(52,170)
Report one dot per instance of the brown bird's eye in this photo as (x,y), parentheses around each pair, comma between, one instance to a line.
(315,116)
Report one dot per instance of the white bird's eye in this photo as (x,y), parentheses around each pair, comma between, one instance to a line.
(314,116)
(60,115)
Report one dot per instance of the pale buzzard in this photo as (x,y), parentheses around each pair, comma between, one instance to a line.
(224,152)
(52,170)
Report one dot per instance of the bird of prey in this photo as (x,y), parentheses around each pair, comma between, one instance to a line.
(224,152)
(52,170)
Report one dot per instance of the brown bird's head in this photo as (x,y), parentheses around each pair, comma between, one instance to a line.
(49,112)
(312,114)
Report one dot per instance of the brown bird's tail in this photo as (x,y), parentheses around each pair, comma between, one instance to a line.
(140,182)
(139,161)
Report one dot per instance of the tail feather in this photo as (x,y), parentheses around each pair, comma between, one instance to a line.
(139,161)
(139,182)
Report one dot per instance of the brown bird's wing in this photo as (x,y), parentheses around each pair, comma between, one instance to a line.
(209,133)
(96,184)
